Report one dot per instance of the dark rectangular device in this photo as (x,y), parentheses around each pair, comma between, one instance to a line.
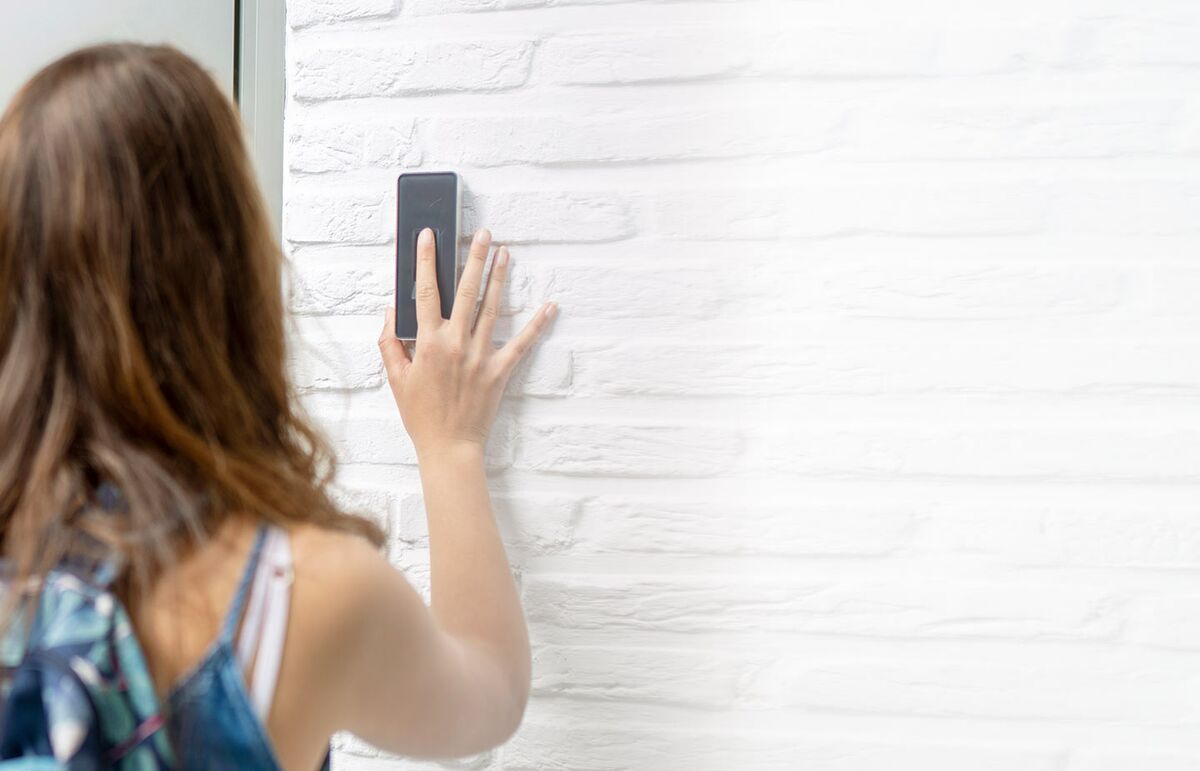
(426,200)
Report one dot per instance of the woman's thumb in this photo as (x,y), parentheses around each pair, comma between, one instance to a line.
(392,350)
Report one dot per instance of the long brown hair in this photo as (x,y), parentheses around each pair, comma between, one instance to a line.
(142,326)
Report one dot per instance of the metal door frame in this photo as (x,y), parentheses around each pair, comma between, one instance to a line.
(258,74)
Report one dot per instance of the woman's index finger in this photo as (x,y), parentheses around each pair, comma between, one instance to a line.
(428,298)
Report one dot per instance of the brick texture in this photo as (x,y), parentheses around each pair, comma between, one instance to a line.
(867,437)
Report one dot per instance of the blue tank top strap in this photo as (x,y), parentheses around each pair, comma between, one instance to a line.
(229,627)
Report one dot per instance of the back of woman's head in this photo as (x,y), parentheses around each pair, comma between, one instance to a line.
(141,318)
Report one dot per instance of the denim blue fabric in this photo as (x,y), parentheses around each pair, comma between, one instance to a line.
(210,717)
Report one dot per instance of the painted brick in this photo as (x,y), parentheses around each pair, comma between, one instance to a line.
(693,604)
(1167,621)
(347,146)
(1121,758)
(305,13)
(748,214)
(1076,452)
(626,450)
(338,365)
(966,288)
(543,217)
(433,7)
(598,59)
(1145,41)
(822,50)
(558,745)
(549,370)
(683,677)
(531,526)
(736,526)
(866,436)
(971,688)
(449,65)
(557,140)
(1062,126)
(912,367)
(634,292)
(373,502)
(1082,533)
(347,219)
(334,290)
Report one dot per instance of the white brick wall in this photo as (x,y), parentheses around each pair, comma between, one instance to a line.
(868,435)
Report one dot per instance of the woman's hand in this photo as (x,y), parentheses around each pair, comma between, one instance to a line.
(449,390)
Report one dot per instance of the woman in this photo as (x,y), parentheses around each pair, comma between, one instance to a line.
(144,402)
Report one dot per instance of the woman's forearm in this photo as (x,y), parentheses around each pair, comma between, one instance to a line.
(473,592)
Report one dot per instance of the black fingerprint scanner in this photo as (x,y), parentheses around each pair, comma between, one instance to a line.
(426,200)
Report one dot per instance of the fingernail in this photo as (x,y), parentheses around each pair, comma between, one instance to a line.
(503,255)
(552,310)
(426,234)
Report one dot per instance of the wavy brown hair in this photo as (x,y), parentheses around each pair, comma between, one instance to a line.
(142,321)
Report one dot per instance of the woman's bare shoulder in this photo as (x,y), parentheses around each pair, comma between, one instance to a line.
(335,570)
(336,566)
(333,545)
(340,598)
